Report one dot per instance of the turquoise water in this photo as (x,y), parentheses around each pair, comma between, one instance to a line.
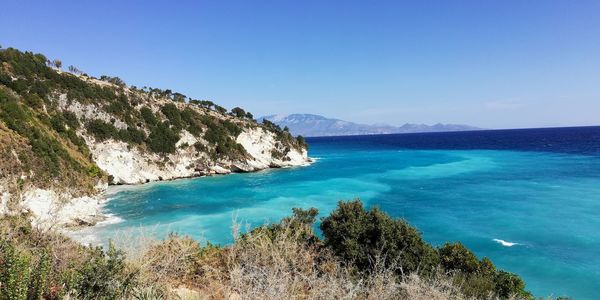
(548,202)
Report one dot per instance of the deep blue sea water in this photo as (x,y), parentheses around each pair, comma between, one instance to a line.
(539,188)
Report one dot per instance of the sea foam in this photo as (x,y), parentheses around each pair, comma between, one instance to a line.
(505,243)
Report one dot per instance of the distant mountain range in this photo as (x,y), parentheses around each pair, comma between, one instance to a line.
(315,125)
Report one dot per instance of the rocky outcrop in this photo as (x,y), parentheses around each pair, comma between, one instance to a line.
(259,145)
(128,165)
(49,208)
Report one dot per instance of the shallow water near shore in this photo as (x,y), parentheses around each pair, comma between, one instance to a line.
(528,199)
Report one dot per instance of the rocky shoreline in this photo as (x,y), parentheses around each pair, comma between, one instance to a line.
(52,210)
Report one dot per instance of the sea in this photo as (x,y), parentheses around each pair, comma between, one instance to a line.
(529,199)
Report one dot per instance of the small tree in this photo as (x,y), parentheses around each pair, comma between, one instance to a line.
(74,70)
(238,112)
(57,63)
(301,141)
(220,109)
(178,97)
(207,103)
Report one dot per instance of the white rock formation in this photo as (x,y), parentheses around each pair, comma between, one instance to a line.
(259,143)
(129,165)
(50,209)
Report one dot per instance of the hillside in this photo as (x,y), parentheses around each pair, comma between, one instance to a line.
(315,125)
(66,135)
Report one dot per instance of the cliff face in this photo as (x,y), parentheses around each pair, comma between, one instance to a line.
(242,146)
(64,137)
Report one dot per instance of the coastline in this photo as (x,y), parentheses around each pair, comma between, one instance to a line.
(83,233)
(68,209)
(68,212)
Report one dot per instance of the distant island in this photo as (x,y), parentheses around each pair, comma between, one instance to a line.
(316,125)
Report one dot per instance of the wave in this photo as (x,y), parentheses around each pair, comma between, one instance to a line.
(89,235)
(110,219)
(505,243)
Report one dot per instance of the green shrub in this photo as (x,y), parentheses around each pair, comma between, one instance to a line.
(192,120)
(162,139)
(94,171)
(149,116)
(13,115)
(77,141)
(103,275)
(39,277)
(302,141)
(455,256)
(219,134)
(232,128)
(132,135)
(34,101)
(20,276)
(271,126)
(361,237)
(173,114)
(50,151)
(101,130)
(508,284)
(71,119)
(14,273)
(41,88)
(58,123)
(480,277)
(20,119)
(300,225)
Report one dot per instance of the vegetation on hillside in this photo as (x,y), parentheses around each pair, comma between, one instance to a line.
(31,77)
(284,139)
(40,147)
(33,92)
(378,258)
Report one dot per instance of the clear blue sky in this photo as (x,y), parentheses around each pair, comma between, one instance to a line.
(495,64)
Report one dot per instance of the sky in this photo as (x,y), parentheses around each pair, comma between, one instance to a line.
(492,64)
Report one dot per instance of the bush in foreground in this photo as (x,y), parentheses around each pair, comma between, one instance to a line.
(360,237)
(365,254)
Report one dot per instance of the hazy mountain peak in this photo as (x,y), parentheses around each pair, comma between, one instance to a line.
(316,125)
